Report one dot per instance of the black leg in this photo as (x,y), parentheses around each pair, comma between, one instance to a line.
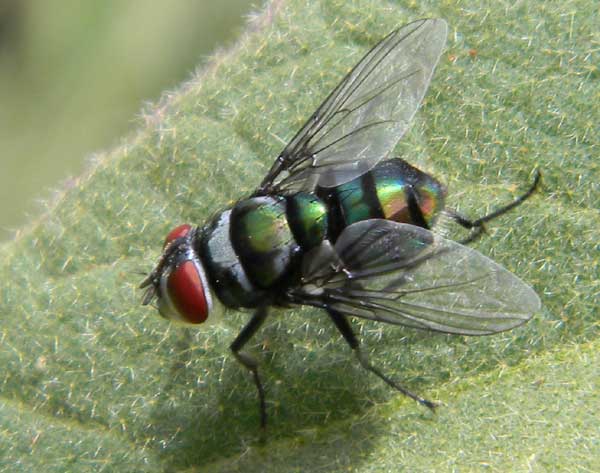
(343,325)
(248,360)
(478,225)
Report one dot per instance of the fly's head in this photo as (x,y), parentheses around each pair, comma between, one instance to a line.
(178,282)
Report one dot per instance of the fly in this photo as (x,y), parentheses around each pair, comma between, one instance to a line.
(336,224)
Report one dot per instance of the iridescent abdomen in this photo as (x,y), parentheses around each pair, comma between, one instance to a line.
(394,180)
(392,190)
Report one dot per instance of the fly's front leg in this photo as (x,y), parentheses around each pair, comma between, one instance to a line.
(343,325)
(249,361)
(477,226)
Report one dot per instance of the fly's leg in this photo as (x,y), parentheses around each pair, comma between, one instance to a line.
(249,361)
(343,325)
(477,226)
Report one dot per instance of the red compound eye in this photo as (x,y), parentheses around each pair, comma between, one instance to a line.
(186,293)
(178,232)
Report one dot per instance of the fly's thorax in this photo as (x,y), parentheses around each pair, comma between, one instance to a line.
(228,277)
(262,238)
(253,247)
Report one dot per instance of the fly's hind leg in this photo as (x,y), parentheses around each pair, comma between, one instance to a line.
(249,361)
(477,226)
(343,325)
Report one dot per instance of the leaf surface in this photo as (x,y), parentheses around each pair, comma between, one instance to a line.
(92,381)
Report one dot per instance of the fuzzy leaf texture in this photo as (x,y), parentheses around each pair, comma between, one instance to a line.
(92,381)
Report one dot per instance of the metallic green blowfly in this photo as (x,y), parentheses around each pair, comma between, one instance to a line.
(336,224)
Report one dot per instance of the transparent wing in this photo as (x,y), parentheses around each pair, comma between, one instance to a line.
(365,115)
(406,275)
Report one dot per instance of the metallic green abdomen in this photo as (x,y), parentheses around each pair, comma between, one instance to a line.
(392,181)
(392,190)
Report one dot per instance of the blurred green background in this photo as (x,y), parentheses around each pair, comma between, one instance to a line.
(75,73)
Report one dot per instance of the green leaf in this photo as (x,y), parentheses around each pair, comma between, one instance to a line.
(92,381)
